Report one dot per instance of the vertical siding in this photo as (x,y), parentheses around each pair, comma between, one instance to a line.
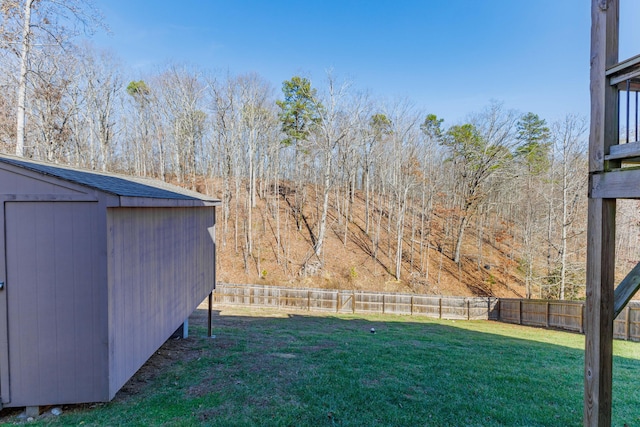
(55,307)
(161,266)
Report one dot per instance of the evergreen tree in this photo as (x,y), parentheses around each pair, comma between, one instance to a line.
(534,143)
(298,111)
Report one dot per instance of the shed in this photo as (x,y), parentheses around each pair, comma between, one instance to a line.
(96,272)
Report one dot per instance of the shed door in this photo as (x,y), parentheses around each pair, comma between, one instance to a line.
(49,257)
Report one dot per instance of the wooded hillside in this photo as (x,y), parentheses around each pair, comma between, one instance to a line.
(325,185)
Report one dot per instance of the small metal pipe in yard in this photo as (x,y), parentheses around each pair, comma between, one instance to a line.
(210,316)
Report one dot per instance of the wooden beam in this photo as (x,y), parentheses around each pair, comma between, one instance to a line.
(624,151)
(623,66)
(618,184)
(628,69)
(620,81)
(626,290)
(601,218)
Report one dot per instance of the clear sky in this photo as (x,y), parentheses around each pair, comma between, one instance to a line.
(450,57)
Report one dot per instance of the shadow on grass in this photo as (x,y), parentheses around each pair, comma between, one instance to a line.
(273,368)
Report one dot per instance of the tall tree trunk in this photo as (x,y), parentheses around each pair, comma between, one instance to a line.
(22,85)
(366,198)
(565,225)
(463,226)
(399,233)
(325,205)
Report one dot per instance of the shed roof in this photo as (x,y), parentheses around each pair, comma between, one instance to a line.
(126,187)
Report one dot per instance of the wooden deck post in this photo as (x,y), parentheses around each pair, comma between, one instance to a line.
(601,219)
(599,314)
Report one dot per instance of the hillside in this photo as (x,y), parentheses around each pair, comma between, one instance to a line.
(349,258)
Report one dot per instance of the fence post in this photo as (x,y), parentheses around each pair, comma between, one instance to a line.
(547,314)
(337,301)
(468,310)
(582,319)
(440,308)
(250,296)
(520,312)
(411,305)
(353,302)
(627,329)
(383,295)
(308,300)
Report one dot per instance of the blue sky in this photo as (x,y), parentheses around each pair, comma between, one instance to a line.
(451,57)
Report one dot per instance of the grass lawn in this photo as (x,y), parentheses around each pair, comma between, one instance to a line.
(273,368)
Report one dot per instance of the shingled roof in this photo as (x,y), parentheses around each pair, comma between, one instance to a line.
(118,185)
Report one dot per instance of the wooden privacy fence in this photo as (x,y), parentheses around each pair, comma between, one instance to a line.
(567,315)
(344,301)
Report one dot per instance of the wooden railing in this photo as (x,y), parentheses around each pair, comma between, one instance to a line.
(346,301)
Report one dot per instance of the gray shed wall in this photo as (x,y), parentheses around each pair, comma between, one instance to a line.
(161,265)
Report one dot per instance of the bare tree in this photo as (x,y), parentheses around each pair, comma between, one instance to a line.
(102,86)
(29,23)
(52,107)
(257,116)
(182,99)
(338,114)
(568,135)
(477,151)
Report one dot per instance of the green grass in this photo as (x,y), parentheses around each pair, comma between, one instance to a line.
(276,369)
